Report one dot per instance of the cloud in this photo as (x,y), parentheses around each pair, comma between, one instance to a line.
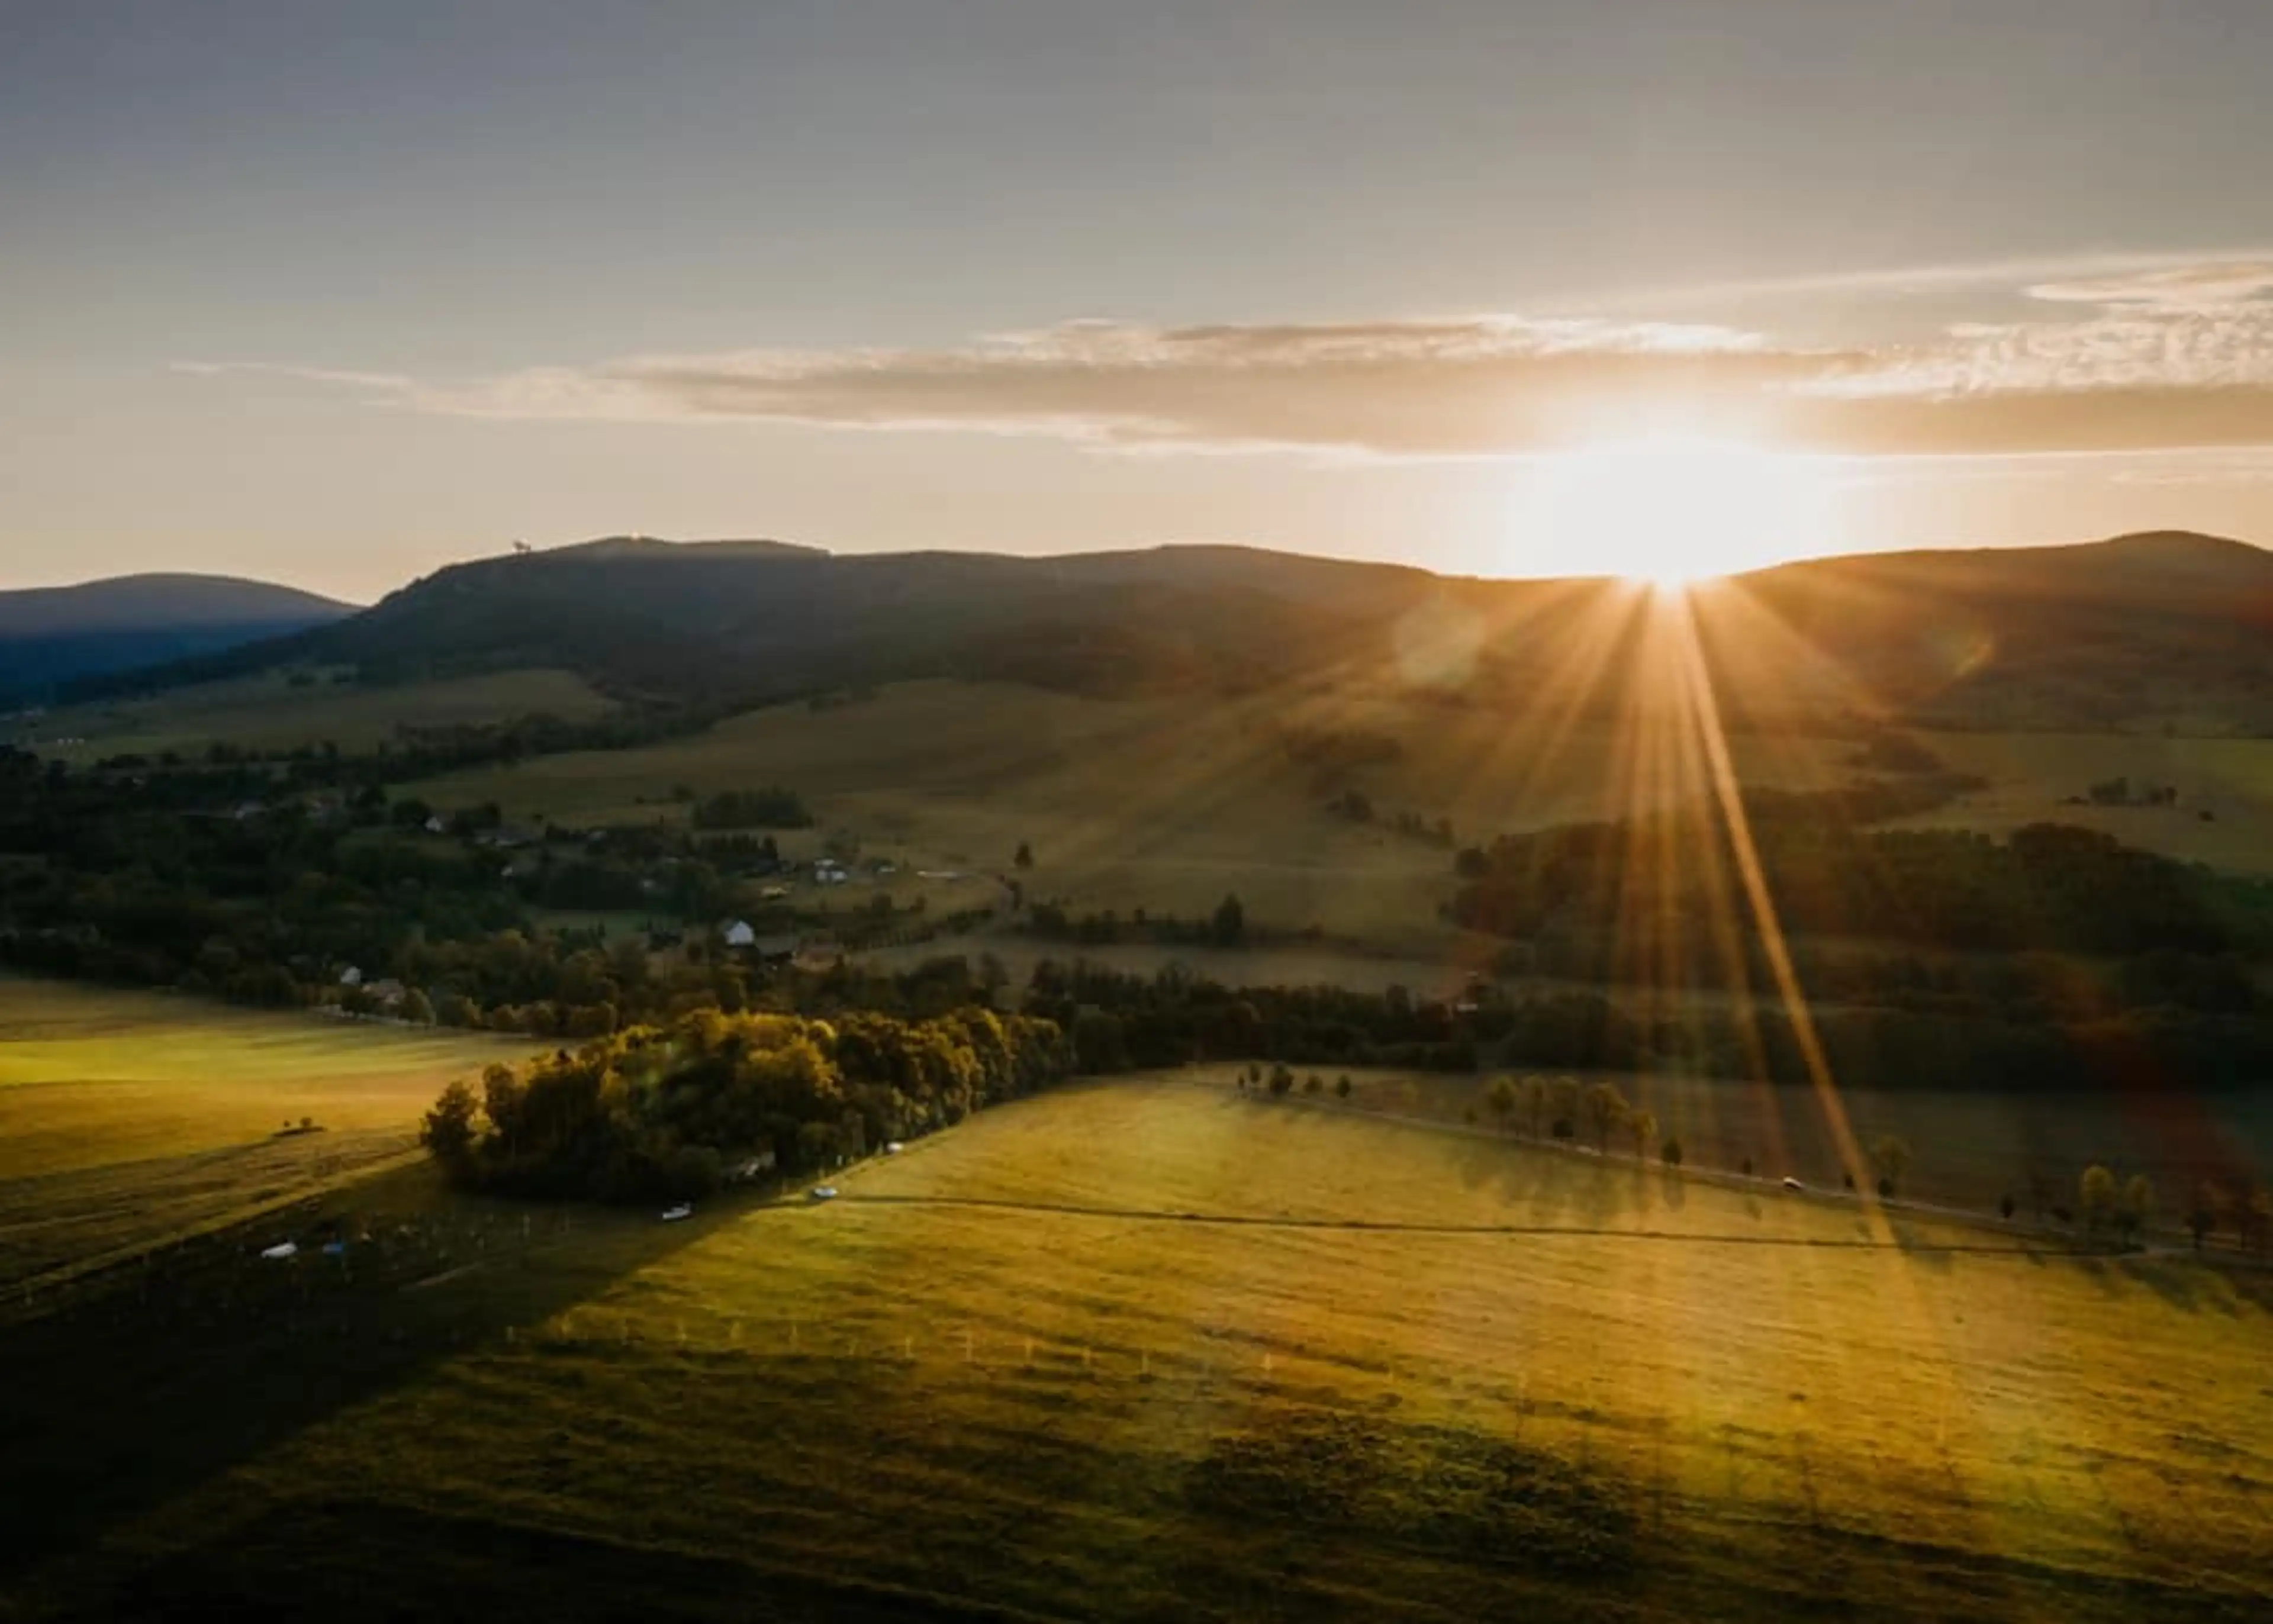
(2212,286)
(2170,357)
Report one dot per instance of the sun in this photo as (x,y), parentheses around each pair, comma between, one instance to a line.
(1669,510)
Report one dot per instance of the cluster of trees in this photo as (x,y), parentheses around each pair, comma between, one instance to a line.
(2117,791)
(1560,1108)
(769,808)
(2048,886)
(1122,1021)
(672,1111)
(1226,927)
(1358,807)
(219,880)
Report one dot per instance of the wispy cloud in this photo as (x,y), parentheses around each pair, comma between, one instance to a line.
(2216,287)
(2159,357)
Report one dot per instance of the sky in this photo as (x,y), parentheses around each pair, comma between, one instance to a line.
(335,294)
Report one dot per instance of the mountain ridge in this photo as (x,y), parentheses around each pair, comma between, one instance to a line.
(2152,628)
(53,637)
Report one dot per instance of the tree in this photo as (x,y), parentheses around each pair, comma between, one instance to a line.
(2004,1207)
(2257,1220)
(1603,1108)
(1025,857)
(1499,1099)
(1891,1155)
(1228,928)
(2097,1198)
(449,1128)
(1342,1086)
(1313,1084)
(2203,1205)
(1669,1152)
(1281,1081)
(2138,1208)
(1643,1124)
(418,1008)
(1562,1107)
(1255,1072)
(1535,1103)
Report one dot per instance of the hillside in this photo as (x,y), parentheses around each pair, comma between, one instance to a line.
(52,636)
(2140,633)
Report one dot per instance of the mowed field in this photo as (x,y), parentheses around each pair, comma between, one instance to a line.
(1151,1351)
(127,1118)
(269,712)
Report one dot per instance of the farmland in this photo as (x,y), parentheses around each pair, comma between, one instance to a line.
(272,712)
(127,1118)
(1132,804)
(1973,1145)
(1152,1350)
(1157,804)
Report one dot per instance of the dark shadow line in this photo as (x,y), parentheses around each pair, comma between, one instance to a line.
(1390,1227)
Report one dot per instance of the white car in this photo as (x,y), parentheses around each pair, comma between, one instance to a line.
(673,1215)
(821,1193)
(1793,1183)
(893,1147)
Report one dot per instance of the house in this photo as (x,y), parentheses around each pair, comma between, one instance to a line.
(387,993)
(435,825)
(739,934)
(351,976)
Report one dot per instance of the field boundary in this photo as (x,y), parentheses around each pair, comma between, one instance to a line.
(1391,1226)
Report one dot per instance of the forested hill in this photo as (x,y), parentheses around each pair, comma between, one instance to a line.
(2151,630)
(52,636)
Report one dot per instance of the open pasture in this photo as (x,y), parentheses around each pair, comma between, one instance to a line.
(1149,1351)
(1971,1145)
(126,1117)
(1163,805)
(270,713)
(2032,776)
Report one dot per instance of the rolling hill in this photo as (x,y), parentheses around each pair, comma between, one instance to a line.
(51,637)
(2167,630)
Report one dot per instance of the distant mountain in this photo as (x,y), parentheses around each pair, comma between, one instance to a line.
(2145,631)
(51,637)
(2167,628)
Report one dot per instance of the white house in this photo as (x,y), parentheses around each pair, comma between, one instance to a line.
(739,934)
(351,976)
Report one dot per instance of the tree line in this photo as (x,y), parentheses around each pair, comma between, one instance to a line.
(673,1111)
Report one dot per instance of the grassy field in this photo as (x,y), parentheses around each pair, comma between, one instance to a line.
(2032,774)
(1167,805)
(268,713)
(128,1116)
(1972,1146)
(1148,1350)
(1161,805)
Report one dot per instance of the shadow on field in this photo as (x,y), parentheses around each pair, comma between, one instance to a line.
(449,1567)
(143,1382)
(1396,1226)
